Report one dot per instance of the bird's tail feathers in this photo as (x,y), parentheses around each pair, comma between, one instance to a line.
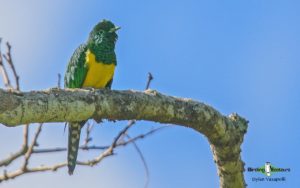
(73,144)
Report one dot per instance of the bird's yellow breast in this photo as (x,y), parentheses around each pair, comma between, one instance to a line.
(99,74)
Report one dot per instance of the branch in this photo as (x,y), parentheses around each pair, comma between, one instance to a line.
(225,134)
(57,105)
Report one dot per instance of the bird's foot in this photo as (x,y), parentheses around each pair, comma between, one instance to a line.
(112,120)
(98,120)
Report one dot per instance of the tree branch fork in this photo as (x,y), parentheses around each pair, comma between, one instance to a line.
(225,133)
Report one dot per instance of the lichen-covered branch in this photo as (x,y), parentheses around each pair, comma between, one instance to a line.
(225,134)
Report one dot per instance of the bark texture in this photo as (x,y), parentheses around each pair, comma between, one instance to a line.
(225,134)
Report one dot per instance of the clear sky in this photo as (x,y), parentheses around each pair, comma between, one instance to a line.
(238,56)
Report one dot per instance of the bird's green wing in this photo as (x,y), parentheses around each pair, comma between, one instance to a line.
(77,70)
(74,78)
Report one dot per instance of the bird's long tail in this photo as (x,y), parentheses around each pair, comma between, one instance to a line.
(73,144)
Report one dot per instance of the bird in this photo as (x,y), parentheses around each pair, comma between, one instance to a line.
(92,66)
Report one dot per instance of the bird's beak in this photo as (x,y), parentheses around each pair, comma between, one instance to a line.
(114,29)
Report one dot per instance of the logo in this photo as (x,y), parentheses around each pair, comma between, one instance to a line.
(269,170)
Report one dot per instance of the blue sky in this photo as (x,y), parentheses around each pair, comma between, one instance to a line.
(238,56)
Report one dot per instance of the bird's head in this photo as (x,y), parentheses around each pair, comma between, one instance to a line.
(104,31)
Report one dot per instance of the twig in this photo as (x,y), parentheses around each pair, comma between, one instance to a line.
(5,76)
(11,158)
(141,136)
(21,152)
(25,136)
(9,60)
(58,80)
(150,78)
(32,145)
(143,160)
(60,149)
(88,137)
(7,176)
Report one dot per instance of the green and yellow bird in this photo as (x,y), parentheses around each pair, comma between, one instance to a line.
(92,65)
